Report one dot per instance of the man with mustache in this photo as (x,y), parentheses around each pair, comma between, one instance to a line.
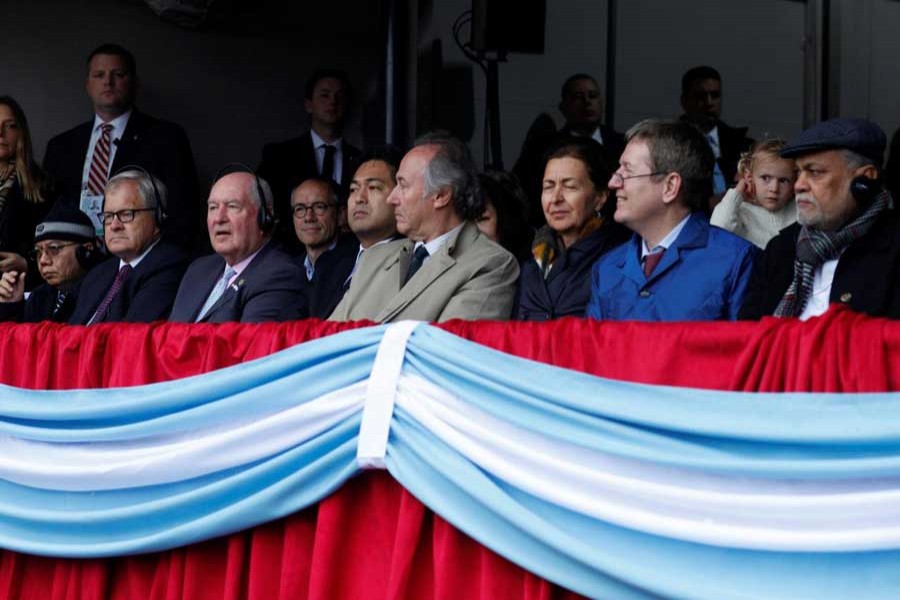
(845,247)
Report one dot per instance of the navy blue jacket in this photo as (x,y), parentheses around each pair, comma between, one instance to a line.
(567,289)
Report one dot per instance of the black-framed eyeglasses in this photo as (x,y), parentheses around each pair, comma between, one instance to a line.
(51,249)
(619,179)
(318,208)
(123,216)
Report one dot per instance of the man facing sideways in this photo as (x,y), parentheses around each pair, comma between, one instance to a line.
(371,220)
(845,246)
(320,152)
(676,267)
(139,282)
(82,159)
(65,248)
(247,278)
(445,269)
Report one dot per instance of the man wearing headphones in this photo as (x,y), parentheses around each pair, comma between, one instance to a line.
(64,249)
(845,246)
(248,278)
(139,282)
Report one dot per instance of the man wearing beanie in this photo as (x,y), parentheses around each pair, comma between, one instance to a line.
(845,247)
(65,249)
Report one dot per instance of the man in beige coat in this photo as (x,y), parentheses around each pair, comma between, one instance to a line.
(445,269)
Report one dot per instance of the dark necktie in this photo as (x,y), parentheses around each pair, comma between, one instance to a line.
(415,264)
(101,311)
(55,313)
(328,162)
(650,262)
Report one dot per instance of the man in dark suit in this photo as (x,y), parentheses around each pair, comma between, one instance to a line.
(329,256)
(581,104)
(248,278)
(139,282)
(82,159)
(65,249)
(320,152)
(845,246)
(701,100)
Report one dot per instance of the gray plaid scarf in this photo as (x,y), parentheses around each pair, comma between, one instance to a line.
(815,247)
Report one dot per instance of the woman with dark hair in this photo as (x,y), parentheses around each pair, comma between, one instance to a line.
(505,216)
(23,192)
(556,280)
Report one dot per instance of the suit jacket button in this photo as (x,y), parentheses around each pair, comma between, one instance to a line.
(645,294)
(846,297)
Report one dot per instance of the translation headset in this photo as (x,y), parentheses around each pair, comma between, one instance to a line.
(865,189)
(159,214)
(264,217)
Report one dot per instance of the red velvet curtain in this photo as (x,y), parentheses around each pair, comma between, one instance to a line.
(372,539)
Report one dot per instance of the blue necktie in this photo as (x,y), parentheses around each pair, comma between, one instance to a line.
(216,292)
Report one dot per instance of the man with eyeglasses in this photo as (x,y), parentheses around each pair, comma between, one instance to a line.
(64,250)
(317,215)
(139,282)
(248,278)
(676,267)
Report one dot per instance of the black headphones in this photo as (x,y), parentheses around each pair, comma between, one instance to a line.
(159,215)
(864,190)
(264,218)
(88,258)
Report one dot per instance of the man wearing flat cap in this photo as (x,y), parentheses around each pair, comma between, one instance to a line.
(845,246)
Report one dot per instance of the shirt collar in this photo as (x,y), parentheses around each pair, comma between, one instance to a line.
(318,142)
(134,263)
(119,124)
(437,243)
(667,241)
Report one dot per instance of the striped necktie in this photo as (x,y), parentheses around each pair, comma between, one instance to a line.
(99,173)
(100,313)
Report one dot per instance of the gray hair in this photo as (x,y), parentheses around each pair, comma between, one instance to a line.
(266,190)
(452,167)
(679,147)
(855,160)
(149,187)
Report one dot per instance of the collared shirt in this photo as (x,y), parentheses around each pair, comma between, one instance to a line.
(818,300)
(119,124)
(310,266)
(437,243)
(597,136)
(666,241)
(319,146)
(134,263)
(712,137)
(240,266)
(360,253)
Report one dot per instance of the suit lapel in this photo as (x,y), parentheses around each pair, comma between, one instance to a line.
(131,138)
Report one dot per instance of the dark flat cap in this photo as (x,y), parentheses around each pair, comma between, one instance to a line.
(859,135)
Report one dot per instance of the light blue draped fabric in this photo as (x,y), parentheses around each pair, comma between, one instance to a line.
(846,440)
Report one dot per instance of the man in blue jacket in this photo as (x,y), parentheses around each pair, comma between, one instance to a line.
(676,267)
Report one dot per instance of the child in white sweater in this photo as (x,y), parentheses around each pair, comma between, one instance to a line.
(762,204)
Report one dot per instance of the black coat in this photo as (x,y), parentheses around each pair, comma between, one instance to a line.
(567,289)
(160,147)
(332,270)
(41,306)
(867,278)
(146,295)
(285,165)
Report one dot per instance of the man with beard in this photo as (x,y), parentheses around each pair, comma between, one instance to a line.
(845,247)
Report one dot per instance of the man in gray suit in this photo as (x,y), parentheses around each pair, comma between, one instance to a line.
(445,269)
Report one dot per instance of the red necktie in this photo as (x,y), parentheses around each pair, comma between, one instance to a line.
(99,172)
(650,262)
